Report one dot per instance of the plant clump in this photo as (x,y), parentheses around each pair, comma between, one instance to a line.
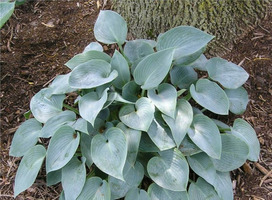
(133,118)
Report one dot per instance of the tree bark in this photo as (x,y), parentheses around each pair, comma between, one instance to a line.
(228,20)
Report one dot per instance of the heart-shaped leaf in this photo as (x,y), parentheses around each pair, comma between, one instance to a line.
(157,193)
(245,132)
(209,95)
(73,178)
(133,176)
(164,98)
(93,46)
(87,56)
(137,194)
(92,74)
(91,104)
(181,122)
(109,152)
(110,28)
(60,85)
(205,134)
(131,91)
(133,138)
(228,74)
(238,99)
(44,107)
(151,71)
(119,63)
(183,76)
(6,10)
(29,168)
(85,148)
(95,188)
(53,124)
(186,39)
(61,149)
(170,170)
(234,153)
(139,119)
(25,137)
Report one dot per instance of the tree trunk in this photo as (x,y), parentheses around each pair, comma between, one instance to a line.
(228,20)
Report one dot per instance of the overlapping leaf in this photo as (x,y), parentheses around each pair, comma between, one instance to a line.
(60,85)
(183,76)
(238,99)
(137,194)
(6,10)
(131,91)
(93,46)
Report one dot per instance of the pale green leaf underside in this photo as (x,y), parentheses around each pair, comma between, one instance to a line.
(61,148)
(110,28)
(109,152)
(29,168)
(170,170)
(137,194)
(238,99)
(25,137)
(6,10)
(209,95)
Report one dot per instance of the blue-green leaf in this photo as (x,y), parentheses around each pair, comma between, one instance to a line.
(85,148)
(53,177)
(137,194)
(29,168)
(110,28)
(93,46)
(209,95)
(200,63)
(54,123)
(188,148)
(119,63)
(186,39)
(6,10)
(147,145)
(183,76)
(91,104)
(95,188)
(238,99)
(228,74)
(25,137)
(109,152)
(170,170)
(234,153)
(158,193)
(73,178)
(151,71)
(205,134)
(44,107)
(87,56)
(131,91)
(61,149)
(164,98)
(139,119)
(181,122)
(92,74)
(245,132)
(60,85)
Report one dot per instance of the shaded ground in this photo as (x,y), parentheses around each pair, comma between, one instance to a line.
(42,36)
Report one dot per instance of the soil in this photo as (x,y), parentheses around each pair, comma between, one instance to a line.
(42,36)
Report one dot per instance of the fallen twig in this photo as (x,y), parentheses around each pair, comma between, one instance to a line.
(262,169)
(265,177)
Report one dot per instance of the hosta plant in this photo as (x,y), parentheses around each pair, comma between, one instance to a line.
(144,112)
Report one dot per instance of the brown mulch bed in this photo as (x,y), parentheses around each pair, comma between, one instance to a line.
(42,36)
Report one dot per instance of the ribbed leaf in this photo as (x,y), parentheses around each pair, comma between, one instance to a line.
(234,153)
(6,10)
(29,168)
(188,148)
(164,98)
(109,152)
(53,177)
(170,170)
(137,194)
(238,99)
(187,40)
(139,119)
(110,28)
(131,91)
(183,76)
(44,107)
(158,193)
(93,46)
(87,56)
(209,95)
(205,134)
(151,71)
(95,188)
(85,148)
(60,85)
(133,176)
(92,74)
(73,178)
(181,122)
(61,148)
(228,74)
(91,104)
(82,125)
(119,63)
(245,132)
(54,123)
(200,63)
(25,137)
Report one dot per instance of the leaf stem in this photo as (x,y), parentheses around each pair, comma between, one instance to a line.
(188,97)
(180,92)
(71,108)
(224,129)
(122,52)
(203,110)
(143,93)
